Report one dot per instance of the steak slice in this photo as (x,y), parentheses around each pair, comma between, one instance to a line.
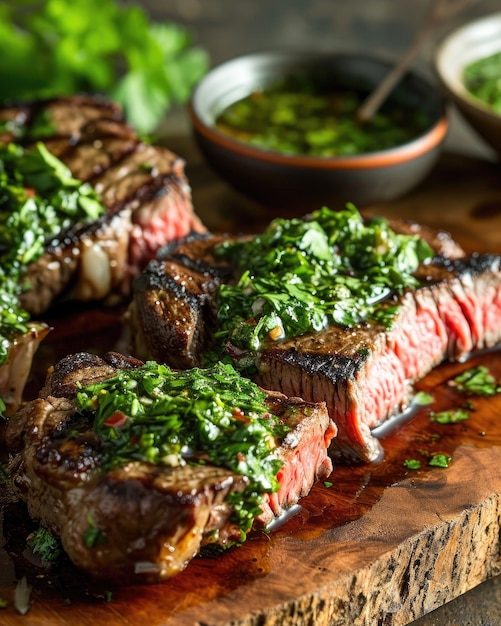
(153,519)
(364,374)
(143,188)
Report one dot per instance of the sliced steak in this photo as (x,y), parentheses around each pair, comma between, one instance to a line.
(143,188)
(365,373)
(152,519)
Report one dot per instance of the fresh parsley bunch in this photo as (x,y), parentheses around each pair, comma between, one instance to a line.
(61,47)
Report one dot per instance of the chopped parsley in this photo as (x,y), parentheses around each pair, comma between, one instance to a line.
(165,417)
(412,464)
(450,417)
(43,543)
(422,398)
(39,198)
(477,381)
(440,460)
(304,275)
(93,536)
(481,78)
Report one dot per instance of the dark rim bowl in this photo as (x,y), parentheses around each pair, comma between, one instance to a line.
(277,179)
(464,45)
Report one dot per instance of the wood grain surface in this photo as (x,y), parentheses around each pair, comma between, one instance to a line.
(383,545)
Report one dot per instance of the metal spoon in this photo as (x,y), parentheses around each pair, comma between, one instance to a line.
(440,10)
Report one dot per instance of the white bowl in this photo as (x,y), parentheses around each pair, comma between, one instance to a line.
(466,44)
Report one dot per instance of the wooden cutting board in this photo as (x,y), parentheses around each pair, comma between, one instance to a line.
(383,545)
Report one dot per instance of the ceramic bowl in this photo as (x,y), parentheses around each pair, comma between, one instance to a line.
(291,184)
(464,45)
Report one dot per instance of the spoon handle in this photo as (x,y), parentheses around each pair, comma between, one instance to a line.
(440,10)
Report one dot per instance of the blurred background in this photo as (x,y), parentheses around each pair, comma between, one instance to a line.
(228,28)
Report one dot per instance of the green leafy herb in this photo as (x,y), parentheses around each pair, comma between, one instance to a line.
(93,535)
(43,543)
(477,381)
(412,464)
(423,399)
(303,275)
(156,415)
(327,483)
(483,80)
(3,603)
(440,460)
(450,417)
(39,198)
(146,66)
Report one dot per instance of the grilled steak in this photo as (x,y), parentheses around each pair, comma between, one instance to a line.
(151,518)
(363,373)
(143,188)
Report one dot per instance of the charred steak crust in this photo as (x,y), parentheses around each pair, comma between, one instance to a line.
(152,519)
(178,291)
(364,374)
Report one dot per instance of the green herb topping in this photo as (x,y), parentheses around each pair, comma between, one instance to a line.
(422,398)
(43,543)
(412,464)
(483,80)
(303,275)
(450,417)
(440,460)
(93,535)
(160,416)
(39,198)
(477,381)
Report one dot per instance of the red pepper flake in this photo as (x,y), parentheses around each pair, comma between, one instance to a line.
(238,414)
(116,420)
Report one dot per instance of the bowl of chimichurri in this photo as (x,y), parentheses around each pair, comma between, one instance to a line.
(468,64)
(280,127)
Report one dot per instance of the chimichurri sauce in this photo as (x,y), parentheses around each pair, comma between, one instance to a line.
(306,122)
(160,416)
(39,198)
(483,80)
(304,275)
